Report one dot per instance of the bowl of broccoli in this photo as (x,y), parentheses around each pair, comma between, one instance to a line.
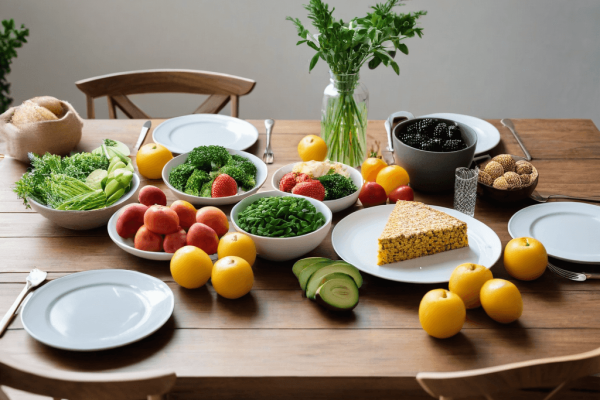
(190,176)
(341,191)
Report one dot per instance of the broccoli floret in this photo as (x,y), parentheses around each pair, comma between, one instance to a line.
(208,158)
(337,186)
(180,175)
(195,182)
(206,190)
(243,179)
(242,162)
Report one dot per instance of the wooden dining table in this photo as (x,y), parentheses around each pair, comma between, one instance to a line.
(274,343)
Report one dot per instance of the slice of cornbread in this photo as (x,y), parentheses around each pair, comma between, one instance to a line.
(415,229)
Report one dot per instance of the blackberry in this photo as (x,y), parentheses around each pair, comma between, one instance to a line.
(453,145)
(440,131)
(454,132)
(413,140)
(425,127)
(437,144)
(411,129)
(427,146)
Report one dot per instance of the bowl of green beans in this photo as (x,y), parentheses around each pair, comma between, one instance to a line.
(283,226)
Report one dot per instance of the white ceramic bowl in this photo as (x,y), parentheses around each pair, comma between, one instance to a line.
(282,249)
(261,177)
(334,205)
(83,220)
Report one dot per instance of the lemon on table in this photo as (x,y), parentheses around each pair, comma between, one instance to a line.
(191,267)
(151,158)
(232,277)
(371,167)
(312,147)
(501,300)
(466,281)
(442,313)
(525,258)
(237,244)
(391,177)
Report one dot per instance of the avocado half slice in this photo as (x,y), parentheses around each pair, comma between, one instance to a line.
(311,269)
(305,262)
(316,279)
(338,294)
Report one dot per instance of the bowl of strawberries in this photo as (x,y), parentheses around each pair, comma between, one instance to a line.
(337,185)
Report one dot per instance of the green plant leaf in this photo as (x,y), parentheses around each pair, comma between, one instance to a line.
(403,48)
(313,62)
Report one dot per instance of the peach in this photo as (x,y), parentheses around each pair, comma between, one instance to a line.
(214,218)
(147,240)
(203,237)
(174,241)
(151,195)
(161,219)
(130,220)
(186,213)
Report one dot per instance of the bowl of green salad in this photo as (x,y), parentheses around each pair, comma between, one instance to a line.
(342,183)
(283,226)
(81,191)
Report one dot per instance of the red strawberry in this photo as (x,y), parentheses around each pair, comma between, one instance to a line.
(311,188)
(302,178)
(224,186)
(287,182)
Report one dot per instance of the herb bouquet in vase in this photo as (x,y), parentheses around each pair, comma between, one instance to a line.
(346,47)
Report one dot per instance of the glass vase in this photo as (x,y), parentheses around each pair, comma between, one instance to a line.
(344,119)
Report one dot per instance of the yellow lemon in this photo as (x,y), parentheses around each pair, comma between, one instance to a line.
(312,147)
(501,300)
(371,167)
(191,267)
(237,244)
(391,177)
(525,258)
(466,281)
(442,313)
(151,159)
(232,277)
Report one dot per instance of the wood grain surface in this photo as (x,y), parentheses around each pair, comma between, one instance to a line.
(275,343)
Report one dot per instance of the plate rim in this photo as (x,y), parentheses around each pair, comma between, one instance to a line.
(202,116)
(98,348)
(512,234)
(390,206)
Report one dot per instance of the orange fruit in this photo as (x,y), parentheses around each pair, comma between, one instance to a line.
(371,167)
(466,281)
(501,300)
(232,277)
(442,313)
(391,177)
(525,258)
(151,159)
(312,147)
(191,267)
(237,244)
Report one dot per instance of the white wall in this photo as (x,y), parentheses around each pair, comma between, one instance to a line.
(487,58)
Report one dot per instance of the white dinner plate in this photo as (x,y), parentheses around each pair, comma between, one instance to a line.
(488,136)
(569,231)
(355,237)
(180,135)
(97,310)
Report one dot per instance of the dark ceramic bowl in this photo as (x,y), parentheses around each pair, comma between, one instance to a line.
(431,171)
(505,196)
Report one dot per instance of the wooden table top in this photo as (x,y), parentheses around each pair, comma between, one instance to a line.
(274,342)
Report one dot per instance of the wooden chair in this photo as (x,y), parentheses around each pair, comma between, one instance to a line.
(554,373)
(60,384)
(221,87)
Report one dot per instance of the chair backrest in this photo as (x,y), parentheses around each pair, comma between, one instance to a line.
(221,87)
(61,384)
(553,373)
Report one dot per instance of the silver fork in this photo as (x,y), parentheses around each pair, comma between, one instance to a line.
(542,199)
(574,276)
(268,155)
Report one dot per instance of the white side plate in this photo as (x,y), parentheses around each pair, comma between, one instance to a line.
(180,135)
(569,231)
(97,310)
(355,240)
(488,136)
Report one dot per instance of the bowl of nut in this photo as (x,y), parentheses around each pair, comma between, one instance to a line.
(507,178)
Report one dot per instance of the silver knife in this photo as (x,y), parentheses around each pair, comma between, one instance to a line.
(143,133)
(508,123)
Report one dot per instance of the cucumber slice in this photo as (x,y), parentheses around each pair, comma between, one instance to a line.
(338,294)
(94,180)
(316,279)
(305,275)
(120,147)
(305,262)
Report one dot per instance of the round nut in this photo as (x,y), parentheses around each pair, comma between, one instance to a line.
(513,180)
(523,167)
(494,169)
(485,178)
(525,180)
(534,174)
(500,183)
(507,162)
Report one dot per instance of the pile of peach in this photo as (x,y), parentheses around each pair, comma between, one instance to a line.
(156,227)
